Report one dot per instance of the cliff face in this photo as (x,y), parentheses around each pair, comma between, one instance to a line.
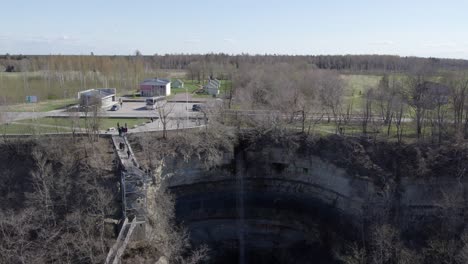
(316,195)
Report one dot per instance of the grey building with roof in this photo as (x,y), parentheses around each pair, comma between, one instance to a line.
(155,87)
(177,84)
(212,87)
(104,97)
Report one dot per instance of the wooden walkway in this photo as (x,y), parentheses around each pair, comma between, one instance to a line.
(134,183)
(117,250)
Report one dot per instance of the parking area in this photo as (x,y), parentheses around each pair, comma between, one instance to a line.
(138,109)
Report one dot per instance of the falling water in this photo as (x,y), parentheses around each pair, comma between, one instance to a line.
(240,208)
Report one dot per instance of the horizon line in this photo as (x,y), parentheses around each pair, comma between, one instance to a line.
(237,54)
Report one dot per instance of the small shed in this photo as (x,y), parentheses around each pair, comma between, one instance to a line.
(177,84)
(212,87)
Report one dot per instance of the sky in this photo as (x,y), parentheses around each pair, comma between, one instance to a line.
(298,27)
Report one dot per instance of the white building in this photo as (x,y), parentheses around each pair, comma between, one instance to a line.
(212,87)
(155,87)
(103,96)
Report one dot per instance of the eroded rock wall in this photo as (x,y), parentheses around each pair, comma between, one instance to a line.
(310,198)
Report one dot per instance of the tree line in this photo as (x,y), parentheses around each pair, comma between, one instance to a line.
(352,63)
(422,103)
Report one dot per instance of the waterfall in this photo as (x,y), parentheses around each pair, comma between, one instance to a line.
(240,206)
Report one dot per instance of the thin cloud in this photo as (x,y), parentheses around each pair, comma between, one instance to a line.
(447,44)
(192,41)
(383,43)
(35,39)
(37,44)
(229,40)
(40,39)
(68,38)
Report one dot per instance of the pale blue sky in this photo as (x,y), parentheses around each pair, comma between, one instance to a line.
(419,28)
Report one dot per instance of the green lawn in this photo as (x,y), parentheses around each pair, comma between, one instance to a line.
(29,129)
(358,84)
(355,129)
(17,85)
(65,122)
(45,106)
(59,125)
(188,86)
(192,86)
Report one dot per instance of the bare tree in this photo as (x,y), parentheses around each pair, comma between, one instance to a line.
(441,251)
(386,246)
(74,121)
(92,109)
(398,120)
(458,84)
(367,112)
(164,235)
(3,115)
(416,99)
(440,101)
(331,96)
(462,255)
(355,255)
(95,122)
(43,181)
(306,103)
(164,110)
(15,245)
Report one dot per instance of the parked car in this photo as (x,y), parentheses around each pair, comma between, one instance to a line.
(197,107)
(115,108)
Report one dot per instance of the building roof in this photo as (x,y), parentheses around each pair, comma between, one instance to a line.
(156,81)
(215,81)
(99,92)
(212,84)
(436,88)
(434,93)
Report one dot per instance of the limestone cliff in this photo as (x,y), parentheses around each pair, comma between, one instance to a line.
(306,193)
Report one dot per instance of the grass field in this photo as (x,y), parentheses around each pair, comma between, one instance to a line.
(45,106)
(30,129)
(14,87)
(355,129)
(192,86)
(65,122)
(358,84)
(188,86)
